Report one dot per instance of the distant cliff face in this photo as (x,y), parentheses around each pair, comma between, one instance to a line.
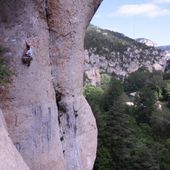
(112,52)
(48,119)
(146,42)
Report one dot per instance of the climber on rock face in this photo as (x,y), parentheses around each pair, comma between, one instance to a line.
(27,58)
(29,51)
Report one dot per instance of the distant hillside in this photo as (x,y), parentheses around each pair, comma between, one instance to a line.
(105,41)
(166,47)
(111,51)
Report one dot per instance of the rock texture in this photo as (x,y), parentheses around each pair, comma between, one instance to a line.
(112,52)
(67,57)
(93,77)
(9,157)
(147,42)
(48,139)
(130,63)
(30,109)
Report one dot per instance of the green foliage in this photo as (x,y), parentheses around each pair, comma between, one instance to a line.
(93,95)
(144,105)
(136,80)
(5,72)
(160,122)
(131,137)
(104,154)
(105,43)
(112,93)
(166,91)
(142,78)
(105,80)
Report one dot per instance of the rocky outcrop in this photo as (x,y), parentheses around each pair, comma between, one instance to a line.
(48,119)
(67,58)
(130,64)
(93,77)
(112,52)
(9,157)
(147,42)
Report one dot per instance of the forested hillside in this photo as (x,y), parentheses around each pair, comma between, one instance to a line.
(111,51)
(134,130)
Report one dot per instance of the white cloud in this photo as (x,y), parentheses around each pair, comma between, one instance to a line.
(161,1)
(147,9)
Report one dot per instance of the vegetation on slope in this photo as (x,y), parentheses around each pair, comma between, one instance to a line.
(119,48)
(105,41)
(5,72)
(133,137)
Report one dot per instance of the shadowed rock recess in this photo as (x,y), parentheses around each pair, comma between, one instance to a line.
(47,118)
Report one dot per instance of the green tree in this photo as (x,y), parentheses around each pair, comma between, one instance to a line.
(135,81)
(112,94)
(131,138)
(144,105)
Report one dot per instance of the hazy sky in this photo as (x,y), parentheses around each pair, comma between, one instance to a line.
(136,18)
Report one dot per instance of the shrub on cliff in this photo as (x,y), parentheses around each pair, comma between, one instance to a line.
(5,72)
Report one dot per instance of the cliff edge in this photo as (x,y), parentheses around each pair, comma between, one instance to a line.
(47,118)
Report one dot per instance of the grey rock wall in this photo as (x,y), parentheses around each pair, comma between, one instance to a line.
(30,109)
(46,138)
(67,58)
(9,156)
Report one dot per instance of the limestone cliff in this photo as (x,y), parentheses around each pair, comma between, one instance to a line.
(48,119)
(112,52)
(9,156)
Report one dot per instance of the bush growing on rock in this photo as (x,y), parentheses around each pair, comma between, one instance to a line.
(5,72)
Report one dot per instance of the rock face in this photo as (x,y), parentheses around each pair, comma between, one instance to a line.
(113,65)
(146,41)
(112,52)
(93,77)
(67,58)
(9,156)
(48,119)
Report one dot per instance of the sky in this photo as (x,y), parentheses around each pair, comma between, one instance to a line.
(136,18)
